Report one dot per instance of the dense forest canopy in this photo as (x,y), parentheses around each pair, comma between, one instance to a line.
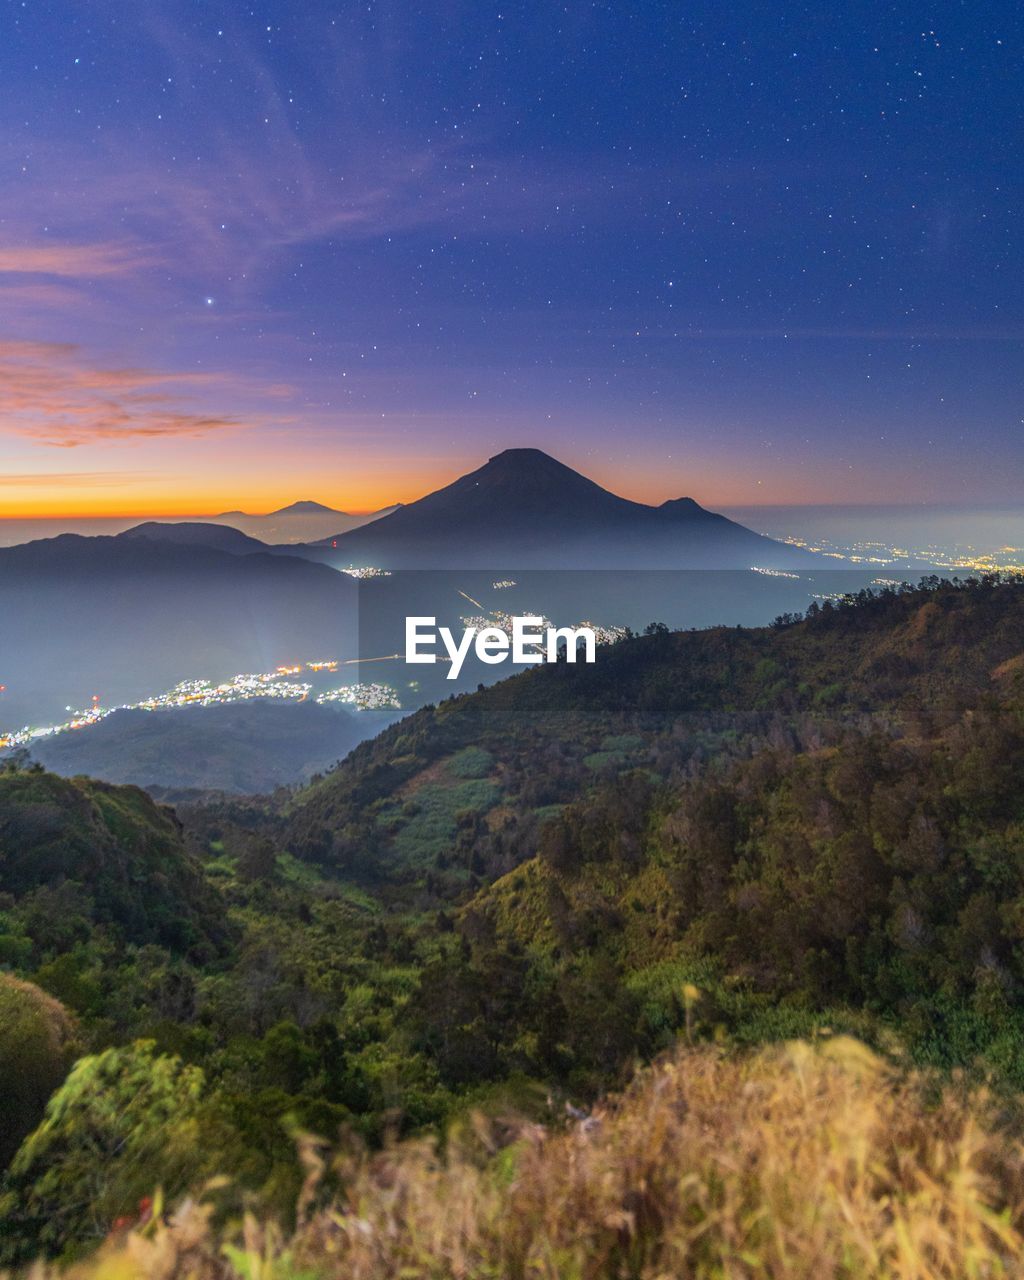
(521,890)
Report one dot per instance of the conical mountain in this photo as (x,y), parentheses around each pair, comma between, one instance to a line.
(524,508)
(307,508)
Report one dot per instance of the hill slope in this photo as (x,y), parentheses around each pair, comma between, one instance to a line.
(805,822)
(242,747)
(902,659)
(83,851)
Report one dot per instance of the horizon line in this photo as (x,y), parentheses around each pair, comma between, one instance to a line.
(201,516)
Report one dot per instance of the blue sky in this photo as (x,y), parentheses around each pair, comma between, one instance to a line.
(762,253)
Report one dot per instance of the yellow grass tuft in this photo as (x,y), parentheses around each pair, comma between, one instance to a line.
(800,1162)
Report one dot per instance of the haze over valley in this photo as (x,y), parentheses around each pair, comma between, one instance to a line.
(165,615)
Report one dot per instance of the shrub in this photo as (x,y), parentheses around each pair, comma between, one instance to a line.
(37,1045)
(123,1123)
(794,1163)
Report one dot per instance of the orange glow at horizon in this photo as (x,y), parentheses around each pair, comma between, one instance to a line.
(127,509)
(373,487)
(159,500)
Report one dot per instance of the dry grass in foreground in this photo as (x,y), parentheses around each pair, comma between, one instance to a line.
(792,1162)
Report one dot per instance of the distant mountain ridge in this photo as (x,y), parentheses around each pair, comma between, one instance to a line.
(128,616)
(304,507)
(196,533)
(299,522)
(524,508)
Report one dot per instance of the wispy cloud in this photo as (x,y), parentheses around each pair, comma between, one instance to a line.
(69,479)
(72,261)
(50,394)
(261,190)
(36,294)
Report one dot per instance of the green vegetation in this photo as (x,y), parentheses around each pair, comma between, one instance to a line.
(119,1118)
(37,1046)
(471,762)
(427,823)
(800,1163)
(518,893)
(79,855)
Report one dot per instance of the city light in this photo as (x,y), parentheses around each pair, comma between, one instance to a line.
(204,693)
(367,573)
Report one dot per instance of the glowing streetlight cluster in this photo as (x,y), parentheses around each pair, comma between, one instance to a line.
(366,697)
(1006,559)
(367,572)
(505,622)
(244,687)
(605,634)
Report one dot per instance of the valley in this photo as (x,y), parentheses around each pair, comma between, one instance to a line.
(512,891)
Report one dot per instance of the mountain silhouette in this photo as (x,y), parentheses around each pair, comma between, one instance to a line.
(524,508)
(307,508)
(300,523)
(219,537)
(196,533)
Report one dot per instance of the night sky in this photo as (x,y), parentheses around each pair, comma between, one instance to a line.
(747,252)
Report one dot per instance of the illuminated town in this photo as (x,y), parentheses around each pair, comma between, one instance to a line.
(1006,559)
(605,634)
(504,622)
(284,683)
(365,697)
(367,572)
(204,693)
(773,573)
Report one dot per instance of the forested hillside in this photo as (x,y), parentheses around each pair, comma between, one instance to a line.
(728,835)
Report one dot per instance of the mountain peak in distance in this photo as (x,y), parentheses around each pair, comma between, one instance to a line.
(525,457)
(307,508)
(524,508)
(522,482)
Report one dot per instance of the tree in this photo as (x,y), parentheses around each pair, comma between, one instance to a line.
(37,1045)
(124,1123)
(17,761)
